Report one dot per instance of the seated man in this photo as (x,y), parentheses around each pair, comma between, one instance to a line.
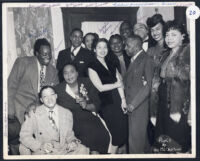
(48,130)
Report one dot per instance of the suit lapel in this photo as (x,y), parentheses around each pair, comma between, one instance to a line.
(34,75)
(133,65)
(44,121)
(48,74)
(62,125)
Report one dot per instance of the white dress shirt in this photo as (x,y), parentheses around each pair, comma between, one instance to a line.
(136,55)
(145,44)
(76,50)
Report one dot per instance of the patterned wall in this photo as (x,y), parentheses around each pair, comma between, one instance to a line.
(30,24)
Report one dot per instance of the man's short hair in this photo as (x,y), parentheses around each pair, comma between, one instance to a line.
(45,87)
(126,22)
(39,43)
(140,25)
(136,38)
(76,29)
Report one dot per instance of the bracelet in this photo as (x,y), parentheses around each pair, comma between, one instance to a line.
(123,98)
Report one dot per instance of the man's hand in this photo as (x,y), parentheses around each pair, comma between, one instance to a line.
(31,107)
(47,147)
(130,108)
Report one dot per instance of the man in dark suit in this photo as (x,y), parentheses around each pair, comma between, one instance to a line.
(76,54)
(126,29)
(141,30)
(137,83)
(27,76)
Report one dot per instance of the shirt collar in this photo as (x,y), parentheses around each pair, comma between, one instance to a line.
(76,50)
(69,91)
(55,110)
(136,55)
(146,39)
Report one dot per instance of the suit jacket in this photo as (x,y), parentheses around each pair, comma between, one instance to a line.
(81,61)
(23,84)
(137,88)
(139,72)
(115,59)
(38,124)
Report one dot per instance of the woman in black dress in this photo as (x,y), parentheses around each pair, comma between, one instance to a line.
(106,78)
(81,97)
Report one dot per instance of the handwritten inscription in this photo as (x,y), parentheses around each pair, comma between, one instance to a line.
(36,35)
(109,28)
(58,46)
(114,4)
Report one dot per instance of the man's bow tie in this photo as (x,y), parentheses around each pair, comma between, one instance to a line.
(146,41)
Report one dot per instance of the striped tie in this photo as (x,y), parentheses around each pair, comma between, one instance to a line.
(42,77)
(52,121)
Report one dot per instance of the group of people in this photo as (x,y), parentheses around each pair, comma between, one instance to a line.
(128,95)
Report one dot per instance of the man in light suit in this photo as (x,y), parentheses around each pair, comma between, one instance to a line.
(26,79)
(137,83)
(48,130)
(75,54)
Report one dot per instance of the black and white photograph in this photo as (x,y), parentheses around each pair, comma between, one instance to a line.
(99,80)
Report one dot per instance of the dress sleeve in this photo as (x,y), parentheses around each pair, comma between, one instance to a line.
(92,65)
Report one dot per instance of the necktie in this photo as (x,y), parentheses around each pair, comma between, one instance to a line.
(72,54)
(42,76)
(52,121)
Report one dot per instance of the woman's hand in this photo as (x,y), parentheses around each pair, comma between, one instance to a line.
(82,102)
(124,105)
(119,84)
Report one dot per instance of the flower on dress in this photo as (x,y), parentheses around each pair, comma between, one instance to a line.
(84,92)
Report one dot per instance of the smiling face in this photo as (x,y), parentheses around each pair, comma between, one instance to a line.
(70,74)
(76,38)
(88,41)
(125,30)
(44,55)
(116,46)
(48,98)
(174,38)
(101,49)
(140,30)
(157,32)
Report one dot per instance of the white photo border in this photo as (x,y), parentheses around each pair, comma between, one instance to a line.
(5,6)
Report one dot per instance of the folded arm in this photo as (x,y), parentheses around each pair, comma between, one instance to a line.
(98,84)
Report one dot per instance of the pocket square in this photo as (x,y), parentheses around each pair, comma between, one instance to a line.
(81,62)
